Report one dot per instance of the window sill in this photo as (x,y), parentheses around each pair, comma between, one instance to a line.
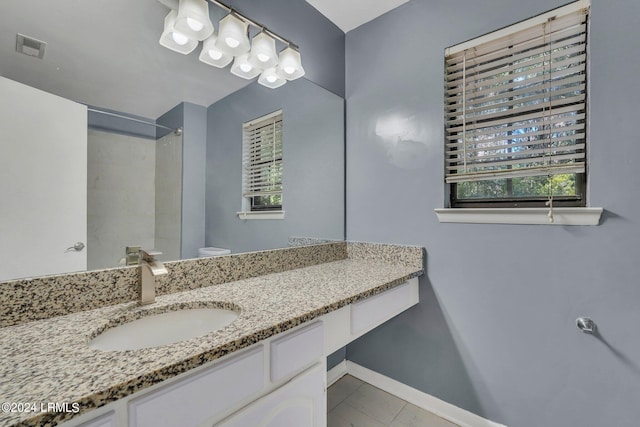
(561,216)
(261,215)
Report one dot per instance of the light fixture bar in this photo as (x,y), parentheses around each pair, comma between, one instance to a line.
(254,23)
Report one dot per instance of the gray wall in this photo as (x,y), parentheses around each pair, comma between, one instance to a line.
(193,179)
(336,357)
(193,119)
(313,166)
(495,329)
(321,42)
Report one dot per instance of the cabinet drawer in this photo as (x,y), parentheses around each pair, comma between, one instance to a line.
(299,403)
(296,350)
(373,311)
(201,396)
(107,420)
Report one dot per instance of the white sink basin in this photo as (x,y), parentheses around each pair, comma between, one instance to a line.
(162,329)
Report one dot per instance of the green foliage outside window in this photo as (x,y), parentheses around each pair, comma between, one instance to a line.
(273,202)
(525,187)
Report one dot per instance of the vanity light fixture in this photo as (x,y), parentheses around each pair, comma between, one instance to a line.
(193,19)
(175,40)
(212,55)
(271,78)
(290,64)
(242,67)
(233,37)
(188,23)
(263,51)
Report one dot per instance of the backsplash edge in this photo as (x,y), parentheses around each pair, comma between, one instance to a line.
(37,298)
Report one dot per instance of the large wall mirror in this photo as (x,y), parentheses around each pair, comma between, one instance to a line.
(131,183)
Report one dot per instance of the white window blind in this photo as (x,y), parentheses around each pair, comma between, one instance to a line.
(515,101)
(262,156)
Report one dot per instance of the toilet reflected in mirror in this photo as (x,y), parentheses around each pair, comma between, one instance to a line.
(212,251)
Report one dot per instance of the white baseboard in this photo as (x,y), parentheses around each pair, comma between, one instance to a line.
(337,372)
(445,410)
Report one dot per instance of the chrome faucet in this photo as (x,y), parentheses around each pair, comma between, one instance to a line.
(150,268)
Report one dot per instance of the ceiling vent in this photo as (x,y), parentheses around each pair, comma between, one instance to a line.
(30,46)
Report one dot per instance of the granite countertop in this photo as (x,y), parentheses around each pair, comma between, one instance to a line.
(49,361)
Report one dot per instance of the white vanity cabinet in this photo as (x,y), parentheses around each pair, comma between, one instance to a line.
(198,397)
(277,382)
(374,311)
(296,350)
(348,323)
(299,403)
(280,378)
(106,420)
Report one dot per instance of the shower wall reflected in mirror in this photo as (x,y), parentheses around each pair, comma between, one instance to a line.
(134,187)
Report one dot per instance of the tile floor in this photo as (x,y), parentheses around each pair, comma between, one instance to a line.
(354,403)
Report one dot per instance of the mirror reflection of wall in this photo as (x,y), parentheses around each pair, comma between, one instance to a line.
(312,174)
(134,188)
(168,188)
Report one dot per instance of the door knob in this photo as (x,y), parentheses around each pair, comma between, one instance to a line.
(77,247)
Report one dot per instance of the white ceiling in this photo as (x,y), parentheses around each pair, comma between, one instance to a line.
(350,14)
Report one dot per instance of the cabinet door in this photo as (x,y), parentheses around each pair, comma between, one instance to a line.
(299,403)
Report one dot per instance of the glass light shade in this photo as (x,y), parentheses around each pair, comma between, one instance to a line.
(175,40)
(232,36)
(212,55)
(180,38)
(271,78)
(290,64)
(193,19)
(194,24)
(263,51)
(242,67)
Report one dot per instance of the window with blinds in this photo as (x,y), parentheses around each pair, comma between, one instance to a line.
(516,113)
(262,162)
